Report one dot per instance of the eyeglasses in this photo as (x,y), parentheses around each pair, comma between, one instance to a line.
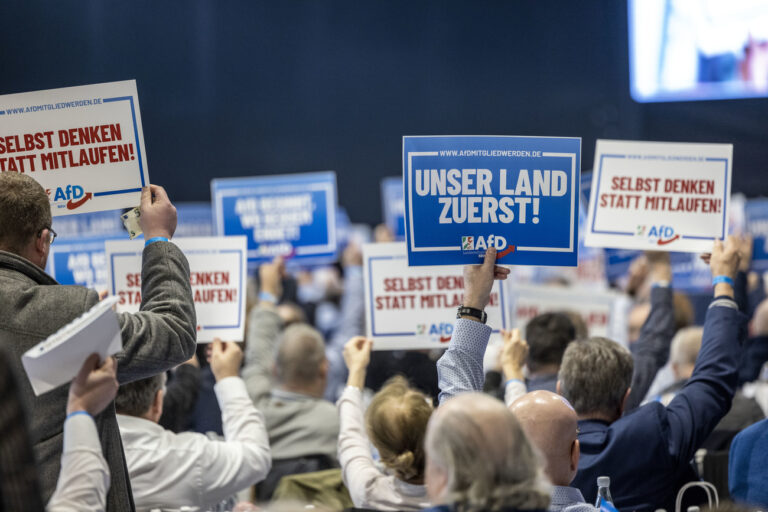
(51,234)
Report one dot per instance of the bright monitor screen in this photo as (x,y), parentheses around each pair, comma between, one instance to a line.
(698,49)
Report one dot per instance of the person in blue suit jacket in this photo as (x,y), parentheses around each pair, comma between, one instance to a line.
(646,453)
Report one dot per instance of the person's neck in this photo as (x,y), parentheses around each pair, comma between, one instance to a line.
(598,416)
(312,390)
(544,371)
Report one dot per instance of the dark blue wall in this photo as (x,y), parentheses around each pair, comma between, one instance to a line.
(241,87)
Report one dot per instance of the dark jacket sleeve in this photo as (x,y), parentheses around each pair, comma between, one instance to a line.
(706,398)
(651,351)
(180,398)
(163,333)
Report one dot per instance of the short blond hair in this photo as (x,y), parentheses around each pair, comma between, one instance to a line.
(396,421)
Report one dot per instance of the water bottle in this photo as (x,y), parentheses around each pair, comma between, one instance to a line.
(604,492)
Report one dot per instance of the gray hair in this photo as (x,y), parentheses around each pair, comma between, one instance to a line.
(136,398)
(686,345)
(595,376)
(299,354)
(488,459)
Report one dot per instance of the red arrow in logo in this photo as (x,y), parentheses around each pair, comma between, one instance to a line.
(665,242)
(506,251)
(445,339)
(81,202)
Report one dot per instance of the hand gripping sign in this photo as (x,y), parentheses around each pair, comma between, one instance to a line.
(518,194)
(217,274)
(409,308)
(84,145)
(659,195)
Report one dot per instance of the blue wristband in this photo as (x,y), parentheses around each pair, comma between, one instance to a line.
(267,297)
(75,413)
(511,381)
(155,239)
(722,279)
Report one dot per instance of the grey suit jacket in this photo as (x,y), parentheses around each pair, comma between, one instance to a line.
(161,335)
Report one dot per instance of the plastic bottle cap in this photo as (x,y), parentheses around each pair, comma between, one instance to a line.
(603,481)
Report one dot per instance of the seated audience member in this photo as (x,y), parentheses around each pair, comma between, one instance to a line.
(744,411)
(84,477)
(755,352)
(747,468)
(396,421)
(160,336)
(285,372)
(181,392)
(647,453)
(551,425)
(479,459)
(547,336)
(189,470)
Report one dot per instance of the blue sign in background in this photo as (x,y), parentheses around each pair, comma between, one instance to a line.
(194,219)
(97,224)
(688,274)
(393,206)
(241,206)
(756,213)
(549,236)
(82,262)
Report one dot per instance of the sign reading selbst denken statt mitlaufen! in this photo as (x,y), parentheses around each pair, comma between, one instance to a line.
(659,195)
(217,274)
(464,194)
(410,307)
(292,215)
(84,145)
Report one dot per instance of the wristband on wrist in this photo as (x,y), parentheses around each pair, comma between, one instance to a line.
(75,413)
(267,297)
(479,314)
(722,279)
(510,381)
(155,239)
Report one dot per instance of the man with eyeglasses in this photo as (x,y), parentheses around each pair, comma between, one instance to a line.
(33,306)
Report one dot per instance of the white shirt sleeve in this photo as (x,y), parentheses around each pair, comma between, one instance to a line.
(513,390)
(357,467)
(84,477)
(244,458)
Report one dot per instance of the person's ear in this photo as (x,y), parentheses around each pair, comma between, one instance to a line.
(624,402)
(575,455)
(558,387)
(322,371)
(158,405)
(42,246)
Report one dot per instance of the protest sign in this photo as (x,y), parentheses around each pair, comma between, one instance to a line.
(393,206)
(217,275)
(58,359)
(84,145)
(415,307)
(659,195)
(293,216)
(518,194)
(88,225)
(595,307)
(194,219)
(756,212)
(80,261)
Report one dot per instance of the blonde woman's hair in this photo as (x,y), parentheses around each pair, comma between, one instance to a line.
(396,421)
(490,463)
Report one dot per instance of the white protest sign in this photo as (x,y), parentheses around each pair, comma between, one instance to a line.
(58,359)
(415,307)
(217,275)
(84,145)
(659,195)
(598,309)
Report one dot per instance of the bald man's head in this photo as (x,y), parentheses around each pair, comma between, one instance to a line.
(551,425)
(477,453)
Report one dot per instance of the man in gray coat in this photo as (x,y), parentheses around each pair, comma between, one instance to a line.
(33,306)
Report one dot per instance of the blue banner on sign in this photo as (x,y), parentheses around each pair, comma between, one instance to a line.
(293,216)
(82,262)
(518,194)
(194,219)
(89,225)
(756,213)
(393,205)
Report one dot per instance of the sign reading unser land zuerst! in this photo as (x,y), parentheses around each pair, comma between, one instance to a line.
(518,194)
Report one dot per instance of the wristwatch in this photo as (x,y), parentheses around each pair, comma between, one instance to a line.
(479,314)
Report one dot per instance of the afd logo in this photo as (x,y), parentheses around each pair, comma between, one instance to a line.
(73,194)
(480,243)
(441,332)
(660,235)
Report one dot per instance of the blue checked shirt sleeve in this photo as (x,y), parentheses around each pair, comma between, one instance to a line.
(460,369)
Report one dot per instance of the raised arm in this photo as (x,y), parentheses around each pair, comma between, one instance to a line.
(460,369)
(706,398)
(513,356)
(163,333)
(651,351)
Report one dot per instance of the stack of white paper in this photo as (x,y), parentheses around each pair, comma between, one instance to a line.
(58,359)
